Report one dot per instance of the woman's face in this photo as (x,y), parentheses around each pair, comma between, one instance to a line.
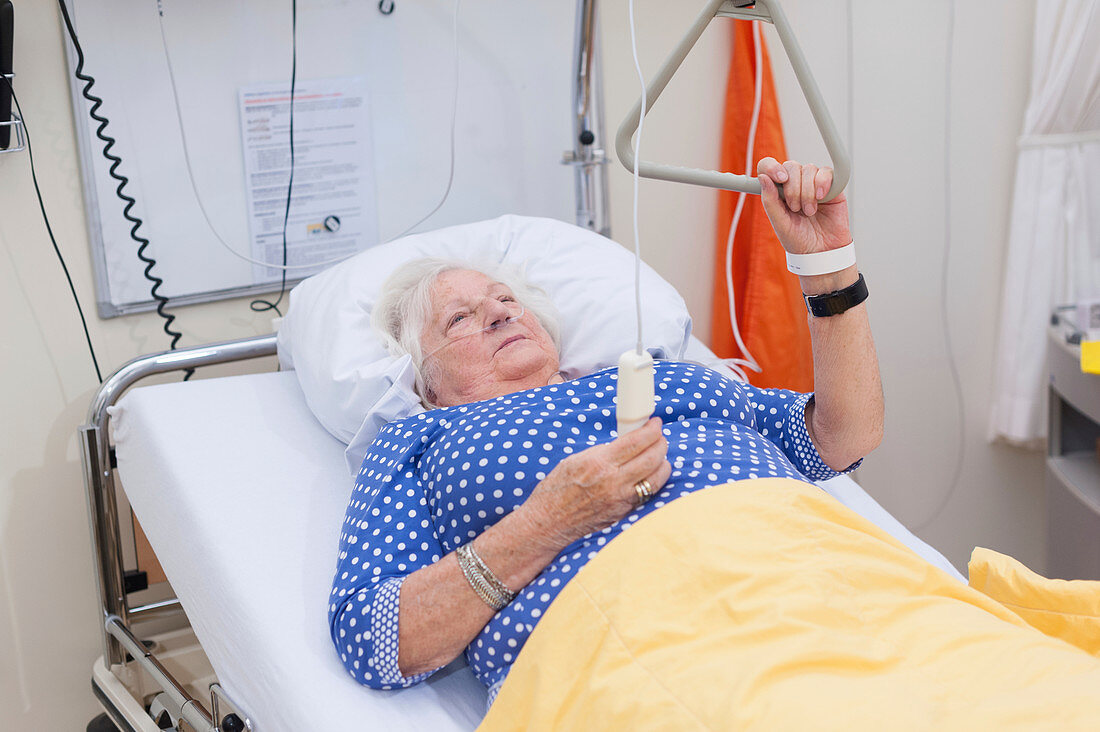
(487,363)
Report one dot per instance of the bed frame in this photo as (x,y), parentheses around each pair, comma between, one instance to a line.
(130,667)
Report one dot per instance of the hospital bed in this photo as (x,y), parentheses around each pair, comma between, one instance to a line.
(242,491)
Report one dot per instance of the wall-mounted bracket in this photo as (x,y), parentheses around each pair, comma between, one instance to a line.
(15,124)
(765,10)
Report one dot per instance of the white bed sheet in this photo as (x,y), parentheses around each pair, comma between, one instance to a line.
(242,494)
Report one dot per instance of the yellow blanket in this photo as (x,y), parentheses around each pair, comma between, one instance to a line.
(767,605)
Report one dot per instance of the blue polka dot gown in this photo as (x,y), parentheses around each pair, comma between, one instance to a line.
(435,481)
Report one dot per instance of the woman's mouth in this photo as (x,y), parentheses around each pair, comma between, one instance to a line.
(511,339)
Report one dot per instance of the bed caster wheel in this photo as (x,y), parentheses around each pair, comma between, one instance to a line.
(231,723)
(102,723)
(158,711)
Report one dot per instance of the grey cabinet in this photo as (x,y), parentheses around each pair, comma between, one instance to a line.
(1073,465)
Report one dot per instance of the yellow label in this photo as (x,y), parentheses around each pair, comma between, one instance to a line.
(1090,357)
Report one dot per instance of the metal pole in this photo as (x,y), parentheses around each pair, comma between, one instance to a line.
(588,157)
(187,707)
(103,519)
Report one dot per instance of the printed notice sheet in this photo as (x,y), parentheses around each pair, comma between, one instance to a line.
(333,207)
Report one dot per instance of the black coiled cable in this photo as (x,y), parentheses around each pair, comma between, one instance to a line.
(123,181)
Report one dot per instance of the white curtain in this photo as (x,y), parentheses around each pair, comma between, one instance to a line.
(1054,239)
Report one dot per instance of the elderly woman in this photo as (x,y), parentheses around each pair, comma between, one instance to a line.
(467,520)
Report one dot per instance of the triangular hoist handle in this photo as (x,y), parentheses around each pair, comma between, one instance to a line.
(766,10)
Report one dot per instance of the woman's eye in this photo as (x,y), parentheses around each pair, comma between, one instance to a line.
(455,319)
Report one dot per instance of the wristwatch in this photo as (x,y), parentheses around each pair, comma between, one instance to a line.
(835,303)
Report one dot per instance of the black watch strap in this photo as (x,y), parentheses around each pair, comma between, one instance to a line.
(835,303)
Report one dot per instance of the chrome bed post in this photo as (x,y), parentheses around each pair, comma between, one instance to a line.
(103,519)
(588,156)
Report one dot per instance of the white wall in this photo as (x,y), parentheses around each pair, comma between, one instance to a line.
(898,223)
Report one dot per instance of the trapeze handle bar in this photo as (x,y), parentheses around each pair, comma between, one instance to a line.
(766,10)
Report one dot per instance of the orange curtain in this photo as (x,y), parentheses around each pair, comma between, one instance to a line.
(770,311)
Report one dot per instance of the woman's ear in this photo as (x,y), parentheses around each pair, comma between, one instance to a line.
(426,375)
(429,397)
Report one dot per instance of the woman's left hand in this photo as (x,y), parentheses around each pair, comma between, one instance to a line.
(803,223)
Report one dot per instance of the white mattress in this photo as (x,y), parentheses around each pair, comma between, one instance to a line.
(242,494)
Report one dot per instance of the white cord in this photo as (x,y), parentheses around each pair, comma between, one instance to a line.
(454,117)
(945,320)
(195,189)
(191,174)
(637,158)
(737,365)
(851,53)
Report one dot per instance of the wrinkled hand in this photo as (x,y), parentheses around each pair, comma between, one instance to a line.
(594,488)
(802,222)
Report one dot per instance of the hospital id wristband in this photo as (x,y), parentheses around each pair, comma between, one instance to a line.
(821,263)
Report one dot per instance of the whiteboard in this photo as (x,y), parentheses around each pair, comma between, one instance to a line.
(513,122)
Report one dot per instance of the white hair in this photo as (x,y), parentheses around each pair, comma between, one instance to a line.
(404,308)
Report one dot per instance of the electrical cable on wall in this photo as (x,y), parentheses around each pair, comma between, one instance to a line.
(190,170)
(128,201)
(260,305)
(284,267)
(851,103)
(49,230)
(454,118)
(737,365)
(945,320)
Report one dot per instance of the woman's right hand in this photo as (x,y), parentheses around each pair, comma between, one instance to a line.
(594,488)
(587,491)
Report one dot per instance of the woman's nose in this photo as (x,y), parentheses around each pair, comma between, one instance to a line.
(496,313)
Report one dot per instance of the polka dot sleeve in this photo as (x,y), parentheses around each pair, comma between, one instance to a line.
(780,416)
(387,535)
(387,607)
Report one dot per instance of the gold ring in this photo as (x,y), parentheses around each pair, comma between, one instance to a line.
(644,489)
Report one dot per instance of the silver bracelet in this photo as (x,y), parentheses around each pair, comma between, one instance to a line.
(487,585)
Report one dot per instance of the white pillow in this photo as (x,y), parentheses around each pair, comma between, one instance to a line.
(354,386)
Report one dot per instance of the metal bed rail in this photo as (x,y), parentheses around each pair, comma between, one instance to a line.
(103,517)
(174,699)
